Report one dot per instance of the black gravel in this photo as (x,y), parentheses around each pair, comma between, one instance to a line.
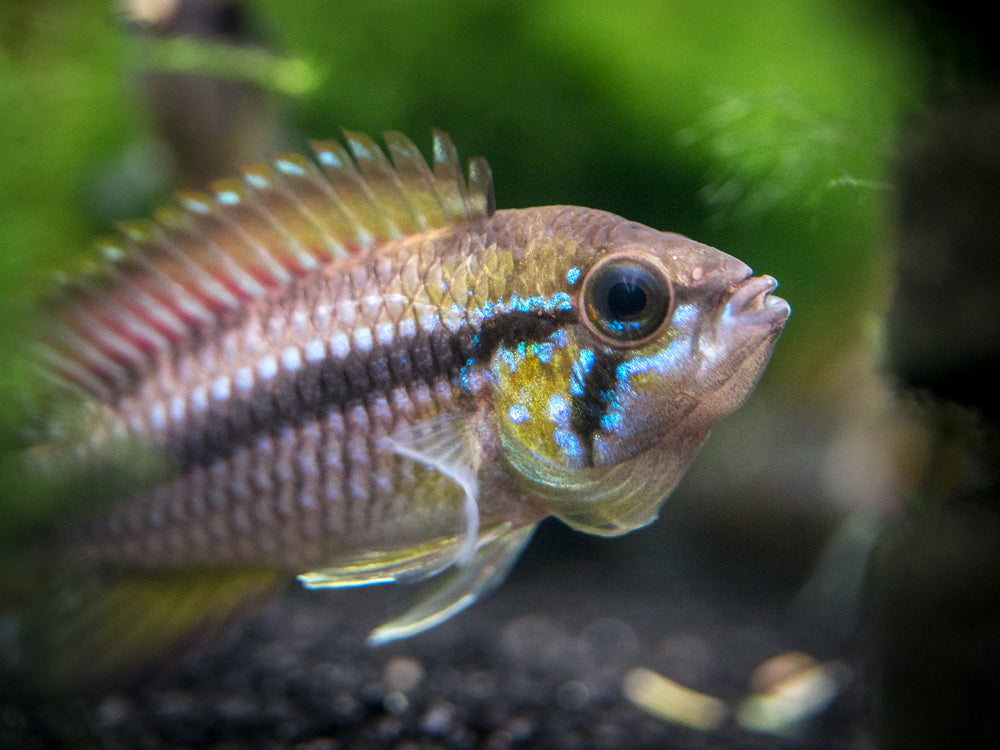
(539,664)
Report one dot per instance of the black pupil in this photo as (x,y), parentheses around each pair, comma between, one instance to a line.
(626,300)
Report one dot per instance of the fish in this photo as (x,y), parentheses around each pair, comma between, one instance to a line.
(354,369)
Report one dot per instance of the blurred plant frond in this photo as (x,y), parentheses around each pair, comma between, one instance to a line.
(292,76)
(767,151)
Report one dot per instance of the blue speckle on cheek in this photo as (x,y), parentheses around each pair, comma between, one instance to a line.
(559,409)
(568,442)
(578,373)
(543,351)
(612,420)
(572,275)
(518,414)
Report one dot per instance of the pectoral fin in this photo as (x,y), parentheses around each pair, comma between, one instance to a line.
(447,443)
(459,588)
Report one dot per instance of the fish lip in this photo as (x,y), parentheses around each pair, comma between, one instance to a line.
(752,302)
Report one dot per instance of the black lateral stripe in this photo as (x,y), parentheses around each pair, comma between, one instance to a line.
(316,388)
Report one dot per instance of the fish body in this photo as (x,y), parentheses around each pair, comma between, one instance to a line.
(361,372)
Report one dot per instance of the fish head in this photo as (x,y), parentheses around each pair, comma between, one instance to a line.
(684,331)
(668,336)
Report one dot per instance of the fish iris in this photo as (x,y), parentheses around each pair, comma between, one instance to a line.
(626,299)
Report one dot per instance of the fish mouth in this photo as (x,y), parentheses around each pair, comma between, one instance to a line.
(752,303)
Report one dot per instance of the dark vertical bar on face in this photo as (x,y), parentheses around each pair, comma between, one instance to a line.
(589,407)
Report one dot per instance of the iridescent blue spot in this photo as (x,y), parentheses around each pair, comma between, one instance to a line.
(158,416)
(286,166)
(684,316)
(578,373)
(315,351)
(199,399)
(662,362)
(469,377)
(510,357)
(568,442)
(228,197)
(291,359)
(361,153)
(558,409)
(572,275)
(561,301)
(612,420)
(518,414)
(267,368)
(258,181)
(177,408)
(328,159)
(195,205)
(220,388)
(244,378)
(543,351)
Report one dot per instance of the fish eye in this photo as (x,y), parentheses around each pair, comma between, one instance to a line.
(626,299)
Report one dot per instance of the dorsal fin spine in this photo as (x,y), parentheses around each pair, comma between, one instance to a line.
(307,184)
(120,317)
(356,238)
(383,186)
(353,198)
(171,240)
(233,275)
(480,198)
(90,331)
(270,271)
(69,345)
(71,371)
(144,305)
(198,234)
(417,180)
(245,220)
(233,192)
(266,188)
(173,296)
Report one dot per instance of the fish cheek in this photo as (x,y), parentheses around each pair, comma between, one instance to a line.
(653,394)
(533,408)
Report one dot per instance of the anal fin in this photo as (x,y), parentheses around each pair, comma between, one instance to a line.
(459,588)
(93,630)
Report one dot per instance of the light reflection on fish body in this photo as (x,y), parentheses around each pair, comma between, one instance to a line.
(363,373)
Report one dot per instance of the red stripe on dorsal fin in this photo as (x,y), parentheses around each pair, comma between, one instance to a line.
(166,281)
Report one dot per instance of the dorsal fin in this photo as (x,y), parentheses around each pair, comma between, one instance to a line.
(163,282)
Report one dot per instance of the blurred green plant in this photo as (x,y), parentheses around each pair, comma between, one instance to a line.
(192,56)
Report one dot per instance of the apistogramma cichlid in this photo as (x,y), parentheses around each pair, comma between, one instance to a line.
(359,372)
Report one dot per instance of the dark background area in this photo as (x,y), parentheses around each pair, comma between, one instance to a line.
(847,512)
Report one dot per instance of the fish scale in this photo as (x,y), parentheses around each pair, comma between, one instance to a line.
(361,372)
